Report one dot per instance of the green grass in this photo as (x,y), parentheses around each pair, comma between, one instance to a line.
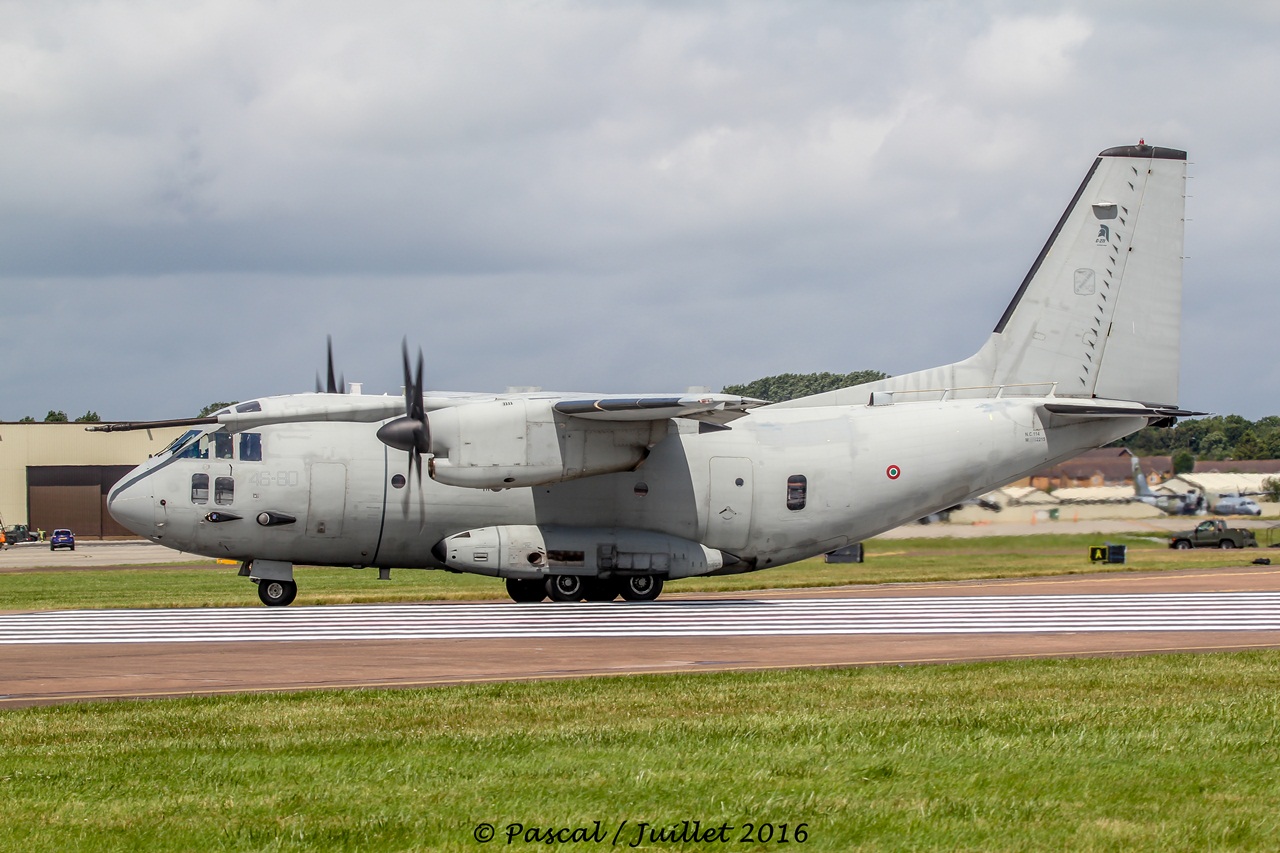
(888,561)
(1156,753)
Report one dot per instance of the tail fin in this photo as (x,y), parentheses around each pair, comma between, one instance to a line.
(1140,485)
(1099,313)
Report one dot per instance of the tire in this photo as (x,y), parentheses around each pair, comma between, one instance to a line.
(277,593)
(526,592)
(595,589)
(565,588)
(1182,545)
(1226,544)
(642,588)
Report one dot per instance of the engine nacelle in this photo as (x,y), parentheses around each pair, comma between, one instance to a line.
(530,551)
(505,444)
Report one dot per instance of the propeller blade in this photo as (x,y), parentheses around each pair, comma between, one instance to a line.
(408,379)
(333,385)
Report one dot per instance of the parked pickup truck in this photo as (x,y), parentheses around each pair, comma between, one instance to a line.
(1213,534)
(19,533)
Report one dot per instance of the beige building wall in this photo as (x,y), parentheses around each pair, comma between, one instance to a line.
(31,445)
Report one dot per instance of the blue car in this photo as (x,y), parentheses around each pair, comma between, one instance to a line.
(62,538)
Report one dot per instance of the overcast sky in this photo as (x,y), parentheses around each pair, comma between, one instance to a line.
(606,197)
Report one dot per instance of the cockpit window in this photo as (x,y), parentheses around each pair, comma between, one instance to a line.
(196,449)
(179,441)
(222,445)
(251,406)
(250,447)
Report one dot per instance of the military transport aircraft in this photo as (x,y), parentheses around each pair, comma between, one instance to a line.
(1191,503)
(574,496)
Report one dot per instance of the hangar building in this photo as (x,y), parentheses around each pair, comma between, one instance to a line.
(58,475)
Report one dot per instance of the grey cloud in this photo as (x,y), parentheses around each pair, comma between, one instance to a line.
(641,196)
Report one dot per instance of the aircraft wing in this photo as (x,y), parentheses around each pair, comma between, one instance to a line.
(715,408)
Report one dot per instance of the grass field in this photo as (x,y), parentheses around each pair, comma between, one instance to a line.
(1157,753)
(888,561)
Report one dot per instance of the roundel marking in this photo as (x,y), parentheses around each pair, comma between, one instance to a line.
(893,472)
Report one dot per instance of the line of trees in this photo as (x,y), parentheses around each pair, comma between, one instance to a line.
(59,417)
(789,386)
(1220,437)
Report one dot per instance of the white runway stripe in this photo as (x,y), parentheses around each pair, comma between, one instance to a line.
(1238,611)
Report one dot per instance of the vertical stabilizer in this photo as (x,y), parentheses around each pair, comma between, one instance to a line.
(1099,313)
(1140,486)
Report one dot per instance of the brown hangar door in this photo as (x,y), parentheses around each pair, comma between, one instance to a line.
(74,497)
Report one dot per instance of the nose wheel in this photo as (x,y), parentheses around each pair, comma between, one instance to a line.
(277,593)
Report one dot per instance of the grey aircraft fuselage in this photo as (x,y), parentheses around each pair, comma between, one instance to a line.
(866,469)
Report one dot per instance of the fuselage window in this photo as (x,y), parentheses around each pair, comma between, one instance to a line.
(224,490)
(199,488)
(222,445)
(197,449)
(797,491)
(250,447)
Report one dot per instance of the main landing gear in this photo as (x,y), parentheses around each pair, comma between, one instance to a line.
(277,593)
(577,588)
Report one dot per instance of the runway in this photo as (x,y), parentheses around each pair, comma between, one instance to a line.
(1229,611)
(48,657)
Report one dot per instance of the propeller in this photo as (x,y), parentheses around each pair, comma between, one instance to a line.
(412,432)
(338,387)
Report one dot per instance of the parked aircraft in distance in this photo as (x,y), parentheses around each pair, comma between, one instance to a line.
(581,496)
(1191,503)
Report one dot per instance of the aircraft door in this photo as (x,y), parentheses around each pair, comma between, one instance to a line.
(729,509)
(328,503)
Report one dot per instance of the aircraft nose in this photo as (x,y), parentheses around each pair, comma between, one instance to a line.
(131,507)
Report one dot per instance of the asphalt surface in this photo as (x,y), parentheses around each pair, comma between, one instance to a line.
(50,658)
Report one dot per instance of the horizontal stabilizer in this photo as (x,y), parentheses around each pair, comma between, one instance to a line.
(1097,409)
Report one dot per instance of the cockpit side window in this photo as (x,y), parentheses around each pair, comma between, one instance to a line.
(199,488)
(224,490)
(222,445)
(250,447)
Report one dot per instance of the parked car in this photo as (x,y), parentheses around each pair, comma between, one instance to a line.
(1236,505)
(62,538)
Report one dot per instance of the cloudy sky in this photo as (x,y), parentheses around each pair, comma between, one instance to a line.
(612,197)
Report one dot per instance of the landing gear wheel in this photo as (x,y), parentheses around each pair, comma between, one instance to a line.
(277,593)
(565,588)
(595,589)
(641,588)
(526,592)
(1226,544)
